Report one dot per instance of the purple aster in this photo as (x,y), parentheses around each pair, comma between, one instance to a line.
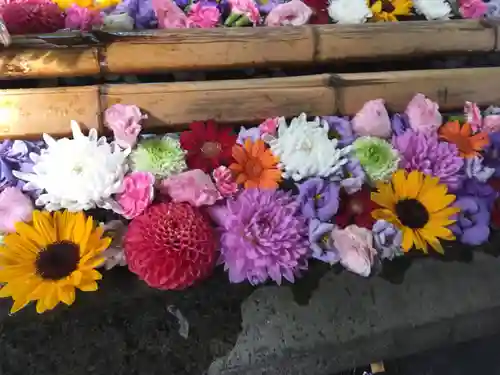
(340,129)
(474,168)
(427,154)
(387,239)
(318,199)
(140,10)
(399,123)
(15,156)
(320,243)
(252,133)
(354,176)
(492,153)
(473,221)
(475,188)
(263,236)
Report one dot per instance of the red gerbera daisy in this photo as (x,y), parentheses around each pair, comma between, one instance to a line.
(320,11)
(356,209)
(208,145)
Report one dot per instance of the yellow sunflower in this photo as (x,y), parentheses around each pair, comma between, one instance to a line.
(419,206)
(46,260)
(389,10)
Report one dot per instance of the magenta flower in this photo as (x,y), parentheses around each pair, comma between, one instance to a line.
(474,9)
(224,181)
(243,12)
(170,16)
(204,15)
(263,235)
(83,19)
(124,121)
(137,194)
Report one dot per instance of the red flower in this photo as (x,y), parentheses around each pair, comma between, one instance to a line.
(170,246)
(208,145)
(356,209)
(320,11)
(32,16)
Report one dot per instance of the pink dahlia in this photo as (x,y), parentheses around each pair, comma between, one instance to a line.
(263,236)
(170,246)
(427,154)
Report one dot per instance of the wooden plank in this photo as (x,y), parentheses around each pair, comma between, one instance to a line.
(27,113)
(34,63)
(379,40)
(450,88)
(211,48)
(233,101)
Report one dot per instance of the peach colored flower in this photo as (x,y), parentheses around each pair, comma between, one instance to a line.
(423,115)
(137,194)
(169,15)
(224,181)
(246,8)
(204,16)
(293,13)
(372,120)
(124,121)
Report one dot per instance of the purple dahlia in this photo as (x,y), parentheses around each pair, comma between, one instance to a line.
(427,154)
(263,236)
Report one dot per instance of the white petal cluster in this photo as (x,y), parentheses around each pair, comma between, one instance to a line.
(433,9)
(349,11)
(305,151)
(77,174)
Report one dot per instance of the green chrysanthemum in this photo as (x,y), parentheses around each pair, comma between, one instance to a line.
(161,156)
(377,157)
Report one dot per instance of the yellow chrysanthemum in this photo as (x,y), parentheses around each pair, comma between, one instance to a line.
(419,206)
(389,10)
(46,260)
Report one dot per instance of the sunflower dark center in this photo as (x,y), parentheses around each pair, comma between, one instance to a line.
(412,213)
(58,260)
(387,6)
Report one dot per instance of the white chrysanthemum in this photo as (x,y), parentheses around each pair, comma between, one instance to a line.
(433,9)
(77,174)
(349,11)
(305,151)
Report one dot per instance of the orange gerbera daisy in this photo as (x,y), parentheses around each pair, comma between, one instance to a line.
(469,145)
(256,166)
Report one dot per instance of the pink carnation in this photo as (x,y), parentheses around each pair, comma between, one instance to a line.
(194,187)
(78,18)
(124,121)
(472,8)
(14,207)
(423,115)
(204,16)
(137,194)
(224,181)
(372,120)
(269,126)
(169,15)
(473,116)
(293,13)
(246,8)
(355,247)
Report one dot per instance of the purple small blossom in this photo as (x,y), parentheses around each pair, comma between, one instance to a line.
(265,6)
(399,123)
(473,221)
(387,239)
(427,154)
(15,156)
(492,153)
(318,198)
(341,129)
(354,176)
(140,10)
(252,133)
(320,243)
(474,168)
(492,110)
(493,9)
(475,188)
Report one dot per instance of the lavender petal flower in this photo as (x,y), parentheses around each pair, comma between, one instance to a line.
(320,244)
(399,123)
(318,198)
(252,133)
(387,239)
(475,188)
(474,168)
(355,176)
(140,10)
(473,220)
(492,153)
(341,129)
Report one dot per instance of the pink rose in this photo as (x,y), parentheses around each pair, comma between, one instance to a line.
(123,120)
(78,18)
(293,13)
(224,181)
(169,15)
(473,116)
(472,8)
(194,187)
(373,120)
(14,208)
(423,115)
(137,194)
(269,126)
(246,8)
(355,247)
(204,16)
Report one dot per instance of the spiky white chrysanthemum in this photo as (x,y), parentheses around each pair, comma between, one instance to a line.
(77,174)
(305,150)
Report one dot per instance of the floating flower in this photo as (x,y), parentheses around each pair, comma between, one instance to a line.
(373,120)
(124,120)
(31,16)
(265,6)
(256,166)
(469,145)
(305,150)
(114,255)
(263,236)
(137,194)
(472,115)
(377,157)
(474,9)
(83,19)
(141,11)
(169,15)
(492,153)
(224,181)
(320,11)
(320,242)
(252,134)
(354,176)
(349,11)
(423,114)
(387,239)
(243,12)
(493,9)
(292,13)
(419,206)
(340,128)
(473,222)
(194,187)
(77,174)
(269,126)
(478,189)
(389,10)
(15,155)
(162,157)
(356,209)
(433,9)
(46,260)
(204,15)
(14,207)
(117,22)
(474,168)
(426,154)
(399,123)
(355,248)
(208,145)
(318,199)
